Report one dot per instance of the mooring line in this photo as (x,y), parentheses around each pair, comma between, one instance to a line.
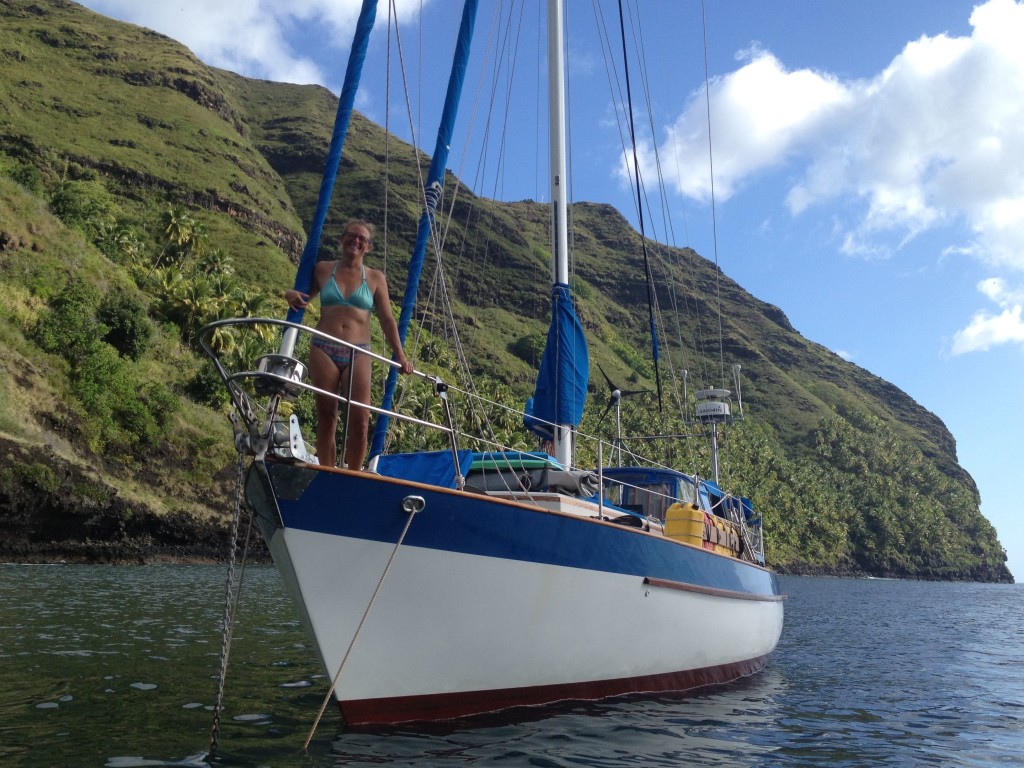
(352,642)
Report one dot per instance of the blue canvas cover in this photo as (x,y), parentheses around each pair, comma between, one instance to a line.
(428,467)
(713,487)
(561,390)
(710,496)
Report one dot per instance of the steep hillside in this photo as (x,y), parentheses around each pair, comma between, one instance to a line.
(143,194)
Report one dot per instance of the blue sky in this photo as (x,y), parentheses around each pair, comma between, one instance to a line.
(868,158)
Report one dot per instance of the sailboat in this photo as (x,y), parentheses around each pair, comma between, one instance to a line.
(449,583)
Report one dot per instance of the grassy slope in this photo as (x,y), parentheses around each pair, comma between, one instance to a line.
(82,96)
(36,407)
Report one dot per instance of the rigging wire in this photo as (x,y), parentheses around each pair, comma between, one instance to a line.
(387,138)
(427,197)
(539,43)
(680,301)
(441,299)
(638,44)
(639,200)
(438,300)
(419,68)
(643,237)
(440,293)
(362,621)
(505,58)
(671,254)
(408,108)
(711,166)
(570,197)
(510,49)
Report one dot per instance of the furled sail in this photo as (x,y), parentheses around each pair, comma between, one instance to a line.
(561,390)
(432,194)
(360,42)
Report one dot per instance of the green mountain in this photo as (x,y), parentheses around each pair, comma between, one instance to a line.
(144,194)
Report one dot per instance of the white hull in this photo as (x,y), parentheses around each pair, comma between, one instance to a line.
(454,633)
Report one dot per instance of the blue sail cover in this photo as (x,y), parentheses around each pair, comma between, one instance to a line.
(432,194)
(561,390)
(360,42)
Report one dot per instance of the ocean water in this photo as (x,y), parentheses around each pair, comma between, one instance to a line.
(116,667)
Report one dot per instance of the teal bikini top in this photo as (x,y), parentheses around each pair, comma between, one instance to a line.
(331,295)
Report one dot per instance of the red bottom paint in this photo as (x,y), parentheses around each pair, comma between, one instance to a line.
(446,706)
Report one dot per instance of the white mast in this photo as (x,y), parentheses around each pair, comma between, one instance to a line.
(559,181)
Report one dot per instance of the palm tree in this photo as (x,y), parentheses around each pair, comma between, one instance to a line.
(179,227)
(195,242)
(215,262)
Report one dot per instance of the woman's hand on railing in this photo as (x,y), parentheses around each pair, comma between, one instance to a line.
(404,363)
(296,299)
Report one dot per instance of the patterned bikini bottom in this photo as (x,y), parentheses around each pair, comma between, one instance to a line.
(340,354)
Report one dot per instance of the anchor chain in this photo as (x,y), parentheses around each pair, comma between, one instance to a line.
(232,595)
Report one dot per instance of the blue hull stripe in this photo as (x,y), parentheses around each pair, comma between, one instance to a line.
(365,506)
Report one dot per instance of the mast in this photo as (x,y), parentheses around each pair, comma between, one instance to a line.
(559,186)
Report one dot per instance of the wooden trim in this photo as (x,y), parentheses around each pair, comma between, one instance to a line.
(683,587)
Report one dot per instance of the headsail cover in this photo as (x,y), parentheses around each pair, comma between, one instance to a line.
(432,194)
(561,391)
(360,42)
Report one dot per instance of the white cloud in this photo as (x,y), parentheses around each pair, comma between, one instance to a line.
(759,114)
(987,330)
(255,38)
(935,138)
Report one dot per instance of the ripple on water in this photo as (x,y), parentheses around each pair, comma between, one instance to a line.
(867,673)
(198,760)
